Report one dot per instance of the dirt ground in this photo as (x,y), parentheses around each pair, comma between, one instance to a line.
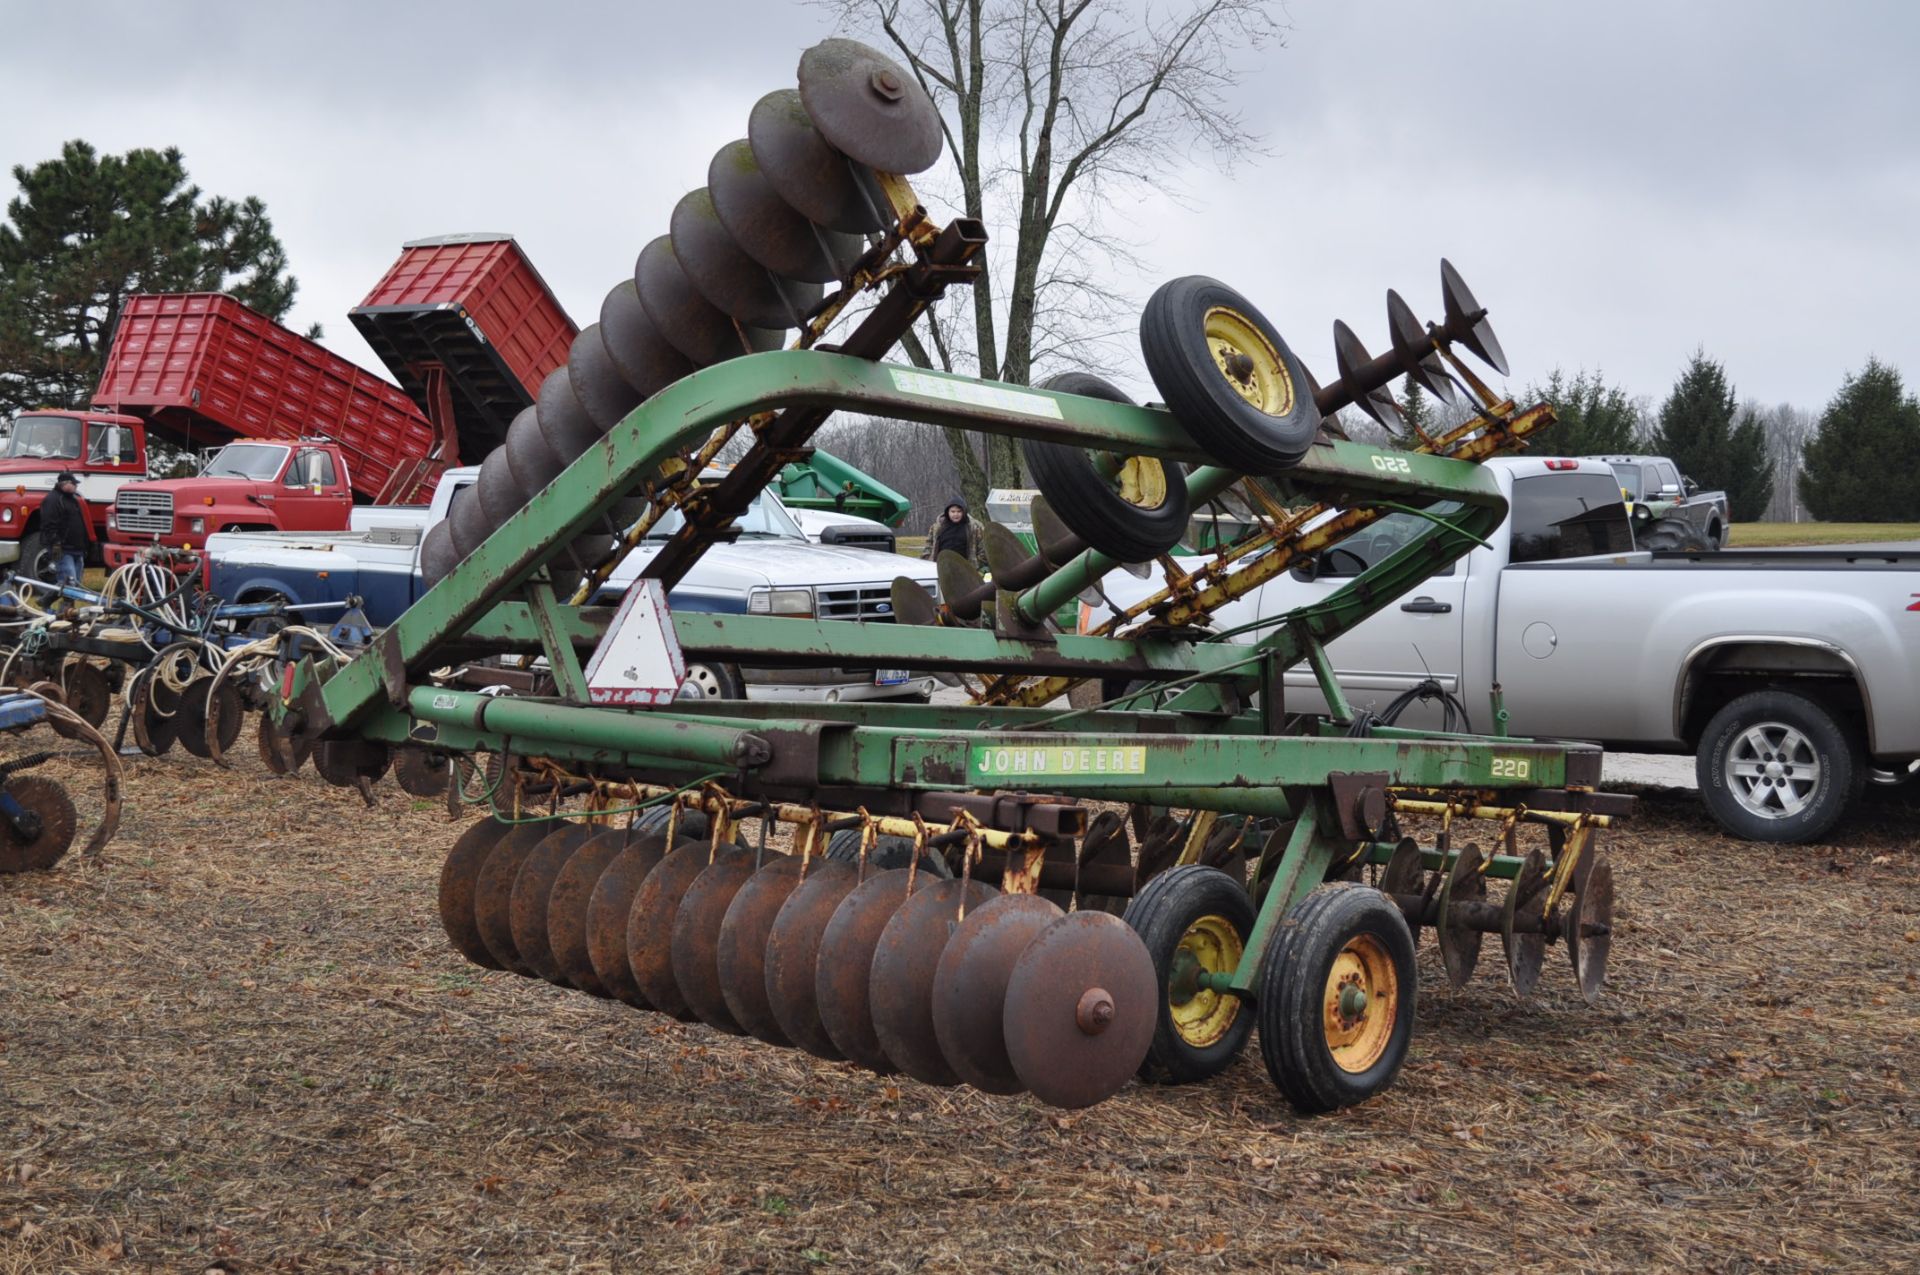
(240,1043)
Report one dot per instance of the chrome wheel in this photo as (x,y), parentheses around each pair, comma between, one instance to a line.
(713,683)
(1773,770)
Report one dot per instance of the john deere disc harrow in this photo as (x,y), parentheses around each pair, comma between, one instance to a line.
(1011,893)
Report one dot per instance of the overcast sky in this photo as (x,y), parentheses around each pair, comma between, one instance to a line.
(1619,182)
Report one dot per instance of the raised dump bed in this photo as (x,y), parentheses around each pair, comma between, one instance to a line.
(468,320)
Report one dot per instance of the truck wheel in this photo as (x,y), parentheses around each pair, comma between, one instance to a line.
(36,560)
(1135,515)
(1776,766)
(1337,987)
(717,681)
(1228,376)
(1669,535)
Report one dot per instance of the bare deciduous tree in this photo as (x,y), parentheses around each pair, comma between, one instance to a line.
(1049,107)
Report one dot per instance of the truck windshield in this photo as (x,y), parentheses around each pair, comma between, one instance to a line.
(44,438)
(246,460)
(1569,515)
(1629,476)
(765,519)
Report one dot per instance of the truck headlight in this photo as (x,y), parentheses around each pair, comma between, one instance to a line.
(113,523)
(6,515)
(780,602)
(196,525)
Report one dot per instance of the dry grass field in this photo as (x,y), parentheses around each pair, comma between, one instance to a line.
(239,1043)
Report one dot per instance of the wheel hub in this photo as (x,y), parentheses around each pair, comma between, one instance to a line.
(1248,362)
(1359,1005)
(1773,770)
(1200,1014)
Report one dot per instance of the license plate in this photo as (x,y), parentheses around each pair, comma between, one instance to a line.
(890,677)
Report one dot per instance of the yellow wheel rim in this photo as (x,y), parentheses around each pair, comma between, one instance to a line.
(1142,481)
(1203,1016)
(1248,362)
(1361,1003)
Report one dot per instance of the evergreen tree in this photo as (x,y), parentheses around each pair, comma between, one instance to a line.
(1418,411)
(1595,419)
(1696,431)
(1864,464)
(89,230)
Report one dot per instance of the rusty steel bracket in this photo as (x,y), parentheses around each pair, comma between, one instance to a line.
(1008,812)
(1360,801)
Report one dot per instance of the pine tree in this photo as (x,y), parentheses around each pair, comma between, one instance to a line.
(1864,464)
(1594,418)
(1418,411)
(89,230)
(1696,431)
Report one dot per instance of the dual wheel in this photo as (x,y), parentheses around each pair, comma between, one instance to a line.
(1337,986)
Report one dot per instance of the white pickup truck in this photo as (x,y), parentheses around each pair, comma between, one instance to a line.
(771,568)
(1791,676)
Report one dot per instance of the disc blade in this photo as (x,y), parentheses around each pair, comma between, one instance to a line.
(1459,942)
(869,107)
(420,772)
(274,753)
(598,386)
(819,182)
(87,691)
(793,947)
(500,495)
(220,714)
(1415,348)
(467,521)
(190,715)
(563,422)
(1405,873)
(722,272)
(970,988)
(533,462)
(650,926)
(567,908)
(527,904)
(769,229)
(846,958)
(959,581)
(457,878)
(1467,315)
(742,956)
(688,321)
(900,983)
(1525,952)
(608,908)
(1080,1009)
(48,801)
(912,602)
(437,554)
(1592,913)
(1350,355)
(694,947)
(647,361)
(493,894)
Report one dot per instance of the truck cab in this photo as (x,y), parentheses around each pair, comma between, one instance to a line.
(298,485)
(105,450)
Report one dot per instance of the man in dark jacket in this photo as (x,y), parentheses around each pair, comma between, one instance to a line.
(957,532)
(64,530)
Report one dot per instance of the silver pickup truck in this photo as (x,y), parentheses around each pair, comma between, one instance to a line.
(1790,675)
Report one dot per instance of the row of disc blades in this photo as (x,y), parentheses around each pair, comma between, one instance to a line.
(783,213)
(947,980)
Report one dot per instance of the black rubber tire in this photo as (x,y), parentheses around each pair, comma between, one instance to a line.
(1293,979)
(888,852)
(1842,775)
(1669,535)
(1228,427)
(32,546)
(1161,914)
(1088,503)
(724,679)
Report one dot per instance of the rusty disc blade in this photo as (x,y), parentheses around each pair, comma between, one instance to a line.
(1415,348)
(499,492)
(647,361)
(467,521)
(841,982)
(527,903)
(437,554)
(792,952)
(970,987)
(1464,311)
(47,801)
(457,877)
(1591,918)
(823,185)
(1525,952)
(768,228)
(725,275)
(421,772)
(650,926)
(190,715)
(608,908)
(598,386)
(1459,942)
(912,602)
(567,908)
(533,463)
(154,728)
(563,422)
(695,943)
(869,107)
(87,691)
(274,752)
(493,894)
(905,962)
(224,713)
(1080,1009)
(742,957)
(689,322)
